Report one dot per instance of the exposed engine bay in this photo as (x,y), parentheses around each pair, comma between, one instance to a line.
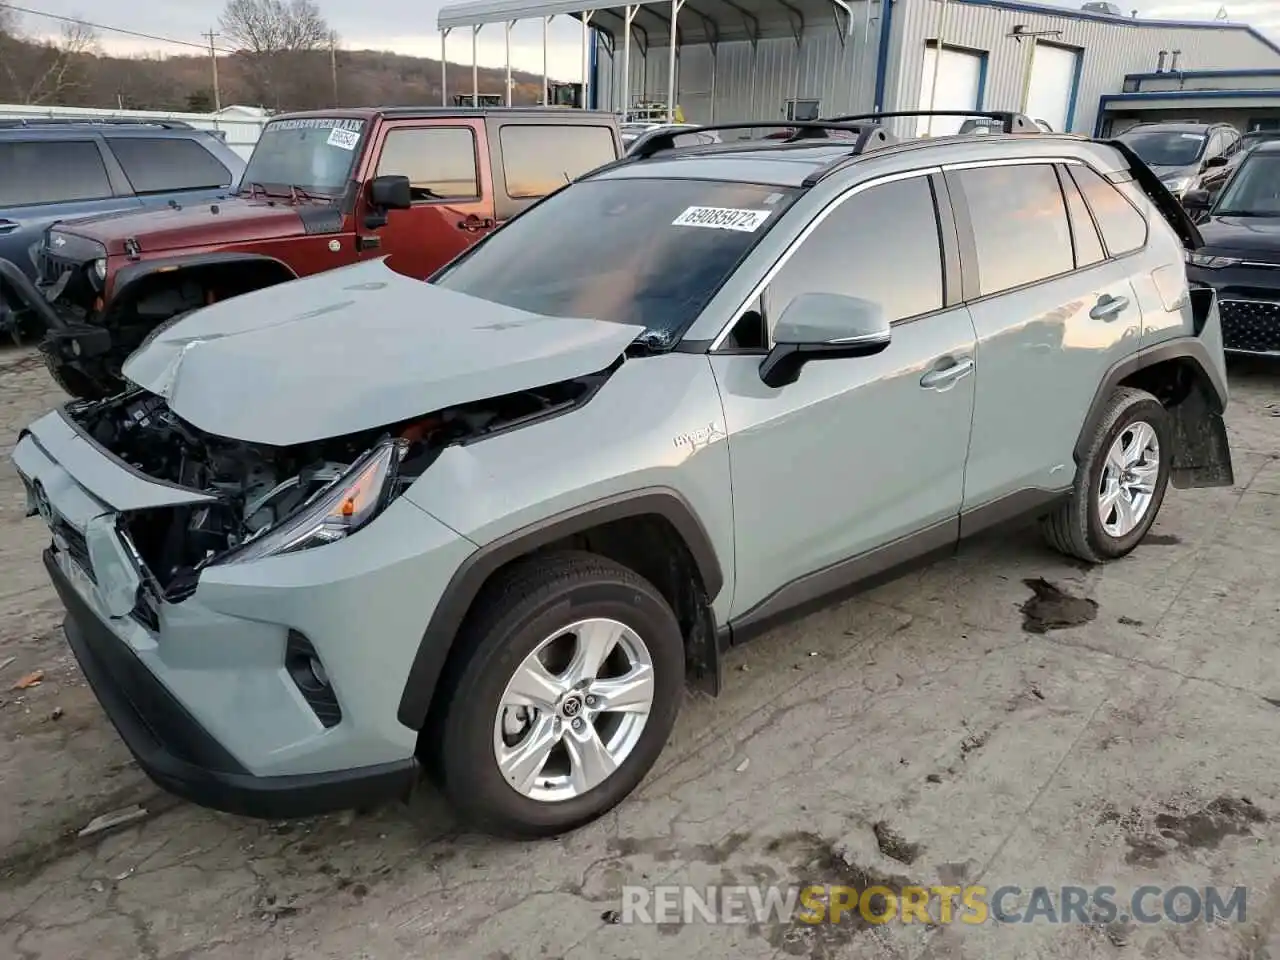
(260,490)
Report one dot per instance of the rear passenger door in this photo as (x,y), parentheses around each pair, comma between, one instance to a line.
(452,195)
(45,180)
(161,169)
(1053,309)
(532,158)
(857,452)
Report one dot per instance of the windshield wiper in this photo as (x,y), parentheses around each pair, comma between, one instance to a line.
(253,190)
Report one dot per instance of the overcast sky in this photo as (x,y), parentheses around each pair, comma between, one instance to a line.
(409,26)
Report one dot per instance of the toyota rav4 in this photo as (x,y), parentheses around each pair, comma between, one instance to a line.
(351,526)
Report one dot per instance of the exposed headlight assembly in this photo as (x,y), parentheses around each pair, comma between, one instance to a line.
(333,513)
(1178,184)
(1210,262)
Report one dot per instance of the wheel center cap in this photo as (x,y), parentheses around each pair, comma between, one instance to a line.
(571,707)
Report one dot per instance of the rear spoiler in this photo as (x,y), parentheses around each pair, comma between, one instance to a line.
(1170,208)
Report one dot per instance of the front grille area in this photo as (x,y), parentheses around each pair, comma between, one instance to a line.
(1252,326)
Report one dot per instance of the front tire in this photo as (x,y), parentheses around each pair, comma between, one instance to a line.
(1120,483)
(566,700)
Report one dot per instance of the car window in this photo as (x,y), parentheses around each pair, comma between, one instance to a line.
(1216,147)
(439,161)
(867,247)
(1165,148)
(51,171)
(1124,229)
(537,159)
(1084,233)
(155,165)
(1019,225)
(646,252)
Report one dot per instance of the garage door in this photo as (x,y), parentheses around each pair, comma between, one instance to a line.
(959,87)
(1053,75)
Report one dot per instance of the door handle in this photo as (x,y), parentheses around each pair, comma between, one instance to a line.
(8,226)
(1108,307)
(946,376)
(473,224)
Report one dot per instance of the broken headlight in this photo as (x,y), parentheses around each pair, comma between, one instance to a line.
(335,512)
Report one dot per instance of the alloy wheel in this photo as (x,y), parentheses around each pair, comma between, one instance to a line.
(1128,483)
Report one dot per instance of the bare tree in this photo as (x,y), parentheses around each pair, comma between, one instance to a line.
(274,38)
(45,71)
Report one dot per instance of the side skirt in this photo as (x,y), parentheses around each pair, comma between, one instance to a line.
(848,578)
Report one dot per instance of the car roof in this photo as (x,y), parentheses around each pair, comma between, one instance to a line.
(791,164)
(428,113)
(1267,146)
(1173,126)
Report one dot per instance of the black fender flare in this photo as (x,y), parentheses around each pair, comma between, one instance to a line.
(128,276)
(465,584)
(1190,349)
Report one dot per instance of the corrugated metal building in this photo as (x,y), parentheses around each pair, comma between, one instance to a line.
(767,59)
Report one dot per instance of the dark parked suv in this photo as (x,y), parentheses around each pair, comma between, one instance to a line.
(53,170)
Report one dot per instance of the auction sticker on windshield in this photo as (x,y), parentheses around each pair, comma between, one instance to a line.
(344,139)
(722,218)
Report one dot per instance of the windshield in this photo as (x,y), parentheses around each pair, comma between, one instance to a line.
(646,252)
(314,154)
(1255,189)
(1165,148)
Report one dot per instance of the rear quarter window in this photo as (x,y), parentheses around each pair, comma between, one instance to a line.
(540,158)
(1123,227)
(159,165)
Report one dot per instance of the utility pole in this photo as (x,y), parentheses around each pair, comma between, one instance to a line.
(213,61)
(333,63)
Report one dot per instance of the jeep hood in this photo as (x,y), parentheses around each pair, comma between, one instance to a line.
(354,349)
(230,220)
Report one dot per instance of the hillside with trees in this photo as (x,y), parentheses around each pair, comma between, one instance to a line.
(281,55)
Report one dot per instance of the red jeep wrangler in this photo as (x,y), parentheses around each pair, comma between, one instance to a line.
(322,190)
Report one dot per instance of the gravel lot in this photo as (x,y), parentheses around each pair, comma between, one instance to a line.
(1136,747)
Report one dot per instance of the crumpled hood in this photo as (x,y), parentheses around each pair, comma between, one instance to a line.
(225,220)
(354,349)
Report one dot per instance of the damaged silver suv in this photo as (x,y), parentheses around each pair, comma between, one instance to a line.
(354,526)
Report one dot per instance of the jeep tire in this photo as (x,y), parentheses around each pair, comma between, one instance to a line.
(78,384)
(531,611)
(1118,488)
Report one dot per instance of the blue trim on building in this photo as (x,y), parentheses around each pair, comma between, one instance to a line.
(882,54)
(1075,90)
(1180,74)
(1019,5)
(593,70)
(982,80)
(1109,98)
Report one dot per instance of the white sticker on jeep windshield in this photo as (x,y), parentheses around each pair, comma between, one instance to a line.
(722,218)
(343,139)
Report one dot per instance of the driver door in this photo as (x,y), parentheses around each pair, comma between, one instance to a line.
(452,195)
(857,453)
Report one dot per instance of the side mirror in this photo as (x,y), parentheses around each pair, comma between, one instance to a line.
(1212,162)
(1197,199)
(390,192)
(820,326)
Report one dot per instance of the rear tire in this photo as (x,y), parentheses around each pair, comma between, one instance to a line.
(531,624)
(1120,483)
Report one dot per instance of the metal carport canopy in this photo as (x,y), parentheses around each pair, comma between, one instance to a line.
(704,21)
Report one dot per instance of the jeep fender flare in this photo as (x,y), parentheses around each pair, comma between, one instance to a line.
(1190,349)
(127,277)
(467,581)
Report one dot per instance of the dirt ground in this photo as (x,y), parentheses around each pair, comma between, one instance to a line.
(1005,717)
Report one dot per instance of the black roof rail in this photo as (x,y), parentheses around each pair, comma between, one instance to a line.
(1011,121)
(868,136)
(9,123)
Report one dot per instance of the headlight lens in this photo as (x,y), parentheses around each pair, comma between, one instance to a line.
(1210,262)
(1178,184)
(100,269)
(337,511)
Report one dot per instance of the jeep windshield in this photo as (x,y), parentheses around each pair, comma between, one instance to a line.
(638,251)
(312,154)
